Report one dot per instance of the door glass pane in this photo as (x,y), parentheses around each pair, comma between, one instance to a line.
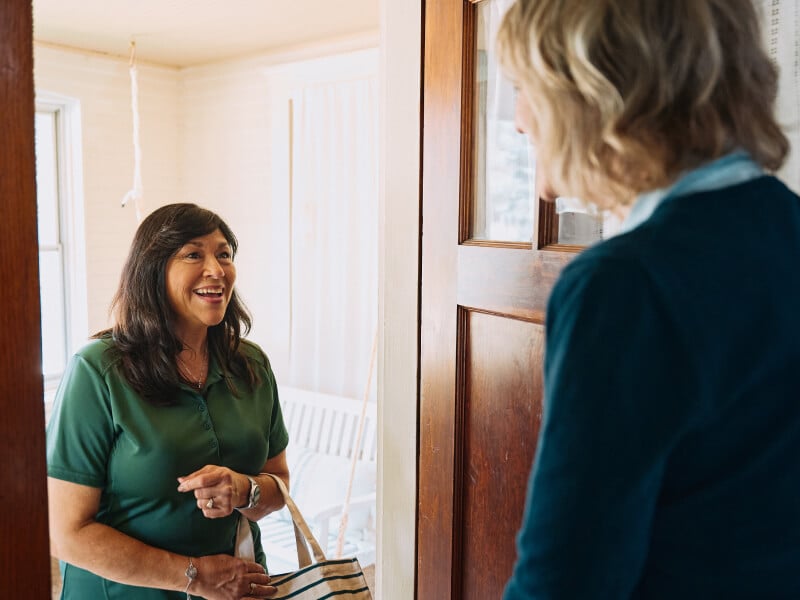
(504,168)
(582,223)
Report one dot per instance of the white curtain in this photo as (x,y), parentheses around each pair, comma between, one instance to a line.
(781,25)
(334,236)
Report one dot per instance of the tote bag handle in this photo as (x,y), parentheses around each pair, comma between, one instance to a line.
(302,532)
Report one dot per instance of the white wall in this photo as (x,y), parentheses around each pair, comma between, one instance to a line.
(226,166)
(398,271)
(208,135)
(102,87)
(234,139)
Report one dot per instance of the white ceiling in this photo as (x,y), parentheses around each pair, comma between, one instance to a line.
(183,33)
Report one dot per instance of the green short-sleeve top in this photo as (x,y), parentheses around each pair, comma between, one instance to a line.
(103,434)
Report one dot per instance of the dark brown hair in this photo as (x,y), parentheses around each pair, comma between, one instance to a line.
(145,343)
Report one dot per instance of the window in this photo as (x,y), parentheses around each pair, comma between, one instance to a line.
(52,281)
(60,231)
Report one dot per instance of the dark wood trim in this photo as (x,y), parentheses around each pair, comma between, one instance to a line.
(24,552)
(534,273)
(441,174)
(548,224)
(459,277)
(423,16)
(466,211)
(547,237)
(498,244)
(461,399)
(565,248)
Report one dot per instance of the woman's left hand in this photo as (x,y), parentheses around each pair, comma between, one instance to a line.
(218,490)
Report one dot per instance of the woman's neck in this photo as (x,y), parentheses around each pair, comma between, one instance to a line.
(195,343)
(193,360)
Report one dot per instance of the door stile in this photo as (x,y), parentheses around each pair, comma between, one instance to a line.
(442,174)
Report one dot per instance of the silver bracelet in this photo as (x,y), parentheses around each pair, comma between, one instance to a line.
(191,573)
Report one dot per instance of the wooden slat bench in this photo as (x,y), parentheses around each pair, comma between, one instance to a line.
(322,431)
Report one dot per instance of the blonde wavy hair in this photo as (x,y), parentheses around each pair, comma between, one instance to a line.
(629,93)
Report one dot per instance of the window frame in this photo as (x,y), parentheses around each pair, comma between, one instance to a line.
(70,206)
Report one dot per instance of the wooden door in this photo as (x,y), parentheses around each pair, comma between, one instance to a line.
(24,555)
(481,339)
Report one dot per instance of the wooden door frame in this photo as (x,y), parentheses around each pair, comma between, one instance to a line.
(24,554)
(24,557)
(437,538)
(460,277)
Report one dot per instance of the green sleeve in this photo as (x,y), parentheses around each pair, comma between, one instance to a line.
(80,434)
(278,435)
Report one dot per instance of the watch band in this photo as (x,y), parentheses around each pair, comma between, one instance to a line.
(254,495)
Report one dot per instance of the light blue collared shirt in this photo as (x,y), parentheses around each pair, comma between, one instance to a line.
(731,169)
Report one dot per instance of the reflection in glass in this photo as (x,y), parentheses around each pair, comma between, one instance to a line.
(582,223)
(504,165)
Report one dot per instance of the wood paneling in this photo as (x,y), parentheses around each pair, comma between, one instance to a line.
(441,164)
(482,308)
(507,280)
(501,415)
(24,556)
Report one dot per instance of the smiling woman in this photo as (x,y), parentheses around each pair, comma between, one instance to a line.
(200,280)
(165,427)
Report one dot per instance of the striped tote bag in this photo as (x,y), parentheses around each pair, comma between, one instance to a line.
(322,578)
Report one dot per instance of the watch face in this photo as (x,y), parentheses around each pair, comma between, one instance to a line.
(255,493)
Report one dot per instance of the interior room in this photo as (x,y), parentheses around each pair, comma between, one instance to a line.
(246,107)
(269,118)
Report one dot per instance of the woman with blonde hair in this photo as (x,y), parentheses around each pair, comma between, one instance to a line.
(669,459)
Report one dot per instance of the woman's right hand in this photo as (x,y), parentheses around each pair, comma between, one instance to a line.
(225,577)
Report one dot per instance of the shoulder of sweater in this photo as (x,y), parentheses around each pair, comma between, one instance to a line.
(638,246)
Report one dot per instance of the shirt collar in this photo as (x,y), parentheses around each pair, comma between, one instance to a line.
(215,374)
(731,169)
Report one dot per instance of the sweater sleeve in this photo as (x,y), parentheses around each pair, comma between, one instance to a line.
(615,404)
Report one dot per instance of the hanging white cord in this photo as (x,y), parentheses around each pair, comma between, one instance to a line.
(135,193)
(356,450)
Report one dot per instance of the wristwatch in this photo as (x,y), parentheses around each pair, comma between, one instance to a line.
(255,495)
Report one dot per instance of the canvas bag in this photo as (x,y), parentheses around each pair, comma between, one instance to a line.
(340,578)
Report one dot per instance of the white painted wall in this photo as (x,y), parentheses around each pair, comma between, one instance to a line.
(398,272)
(208,135)
(234,133)
(226,166)
(102,87)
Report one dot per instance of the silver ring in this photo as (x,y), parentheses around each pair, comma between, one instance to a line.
(252,587)
(210,503)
